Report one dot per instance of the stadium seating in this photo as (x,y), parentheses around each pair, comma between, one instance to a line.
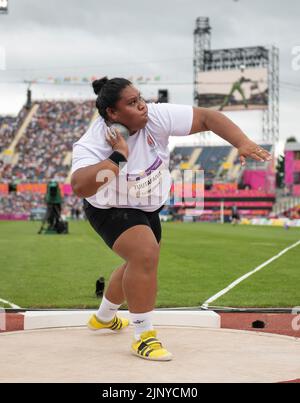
(8,128)
(210,159)
(220,163)
(223,172)
(179,155)
(48,138)
(22,203)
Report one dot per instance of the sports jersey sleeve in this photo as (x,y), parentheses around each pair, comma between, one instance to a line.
(83,157)
(176,119)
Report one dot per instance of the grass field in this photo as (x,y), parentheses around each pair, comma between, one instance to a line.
(197,261)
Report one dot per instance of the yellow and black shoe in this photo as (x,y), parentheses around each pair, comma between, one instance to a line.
(149,348)
(115,324)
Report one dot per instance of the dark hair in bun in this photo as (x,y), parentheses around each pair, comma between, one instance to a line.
(98,85)
(109,93)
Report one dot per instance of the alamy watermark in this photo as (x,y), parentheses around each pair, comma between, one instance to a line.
(150,188)
(2,320)
(296,58)
(296,320)
(2,58)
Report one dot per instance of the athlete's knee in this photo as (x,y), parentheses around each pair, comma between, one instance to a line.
(147,257)
(119,272)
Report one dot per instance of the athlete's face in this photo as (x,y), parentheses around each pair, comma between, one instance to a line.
(131,110)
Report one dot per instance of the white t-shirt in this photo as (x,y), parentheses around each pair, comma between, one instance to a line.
(144,182)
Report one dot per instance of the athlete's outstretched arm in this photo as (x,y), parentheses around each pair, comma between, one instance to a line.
(209,120)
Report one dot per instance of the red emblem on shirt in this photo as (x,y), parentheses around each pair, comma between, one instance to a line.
(150,141)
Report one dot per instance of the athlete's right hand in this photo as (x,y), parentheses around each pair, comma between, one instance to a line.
(117,141)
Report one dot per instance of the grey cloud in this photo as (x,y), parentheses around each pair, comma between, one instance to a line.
(136,31)
(116,37)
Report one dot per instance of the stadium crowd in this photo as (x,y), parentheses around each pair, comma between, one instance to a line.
(176,159)
(25,202)
(20,203)
(8,128)
(49,137)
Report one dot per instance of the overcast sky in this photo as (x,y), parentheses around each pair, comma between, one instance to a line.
(142,38)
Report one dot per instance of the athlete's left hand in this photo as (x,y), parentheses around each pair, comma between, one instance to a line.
(249,149)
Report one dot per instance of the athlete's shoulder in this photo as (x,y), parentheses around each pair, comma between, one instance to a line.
(157,107)
(94,133)
(170,119)
(158,112)
(166,108)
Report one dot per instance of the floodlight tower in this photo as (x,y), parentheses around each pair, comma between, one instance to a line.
(271,115)
(202,43)
(3,6)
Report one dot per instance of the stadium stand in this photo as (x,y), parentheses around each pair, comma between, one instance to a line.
(8,127)
(20,202)
(250,189)
(209,158)
(180,155)
(220,163)
(23,204)
(47,139)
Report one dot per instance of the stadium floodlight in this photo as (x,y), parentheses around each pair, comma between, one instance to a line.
(3,6)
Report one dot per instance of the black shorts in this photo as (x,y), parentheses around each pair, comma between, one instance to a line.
(111,223)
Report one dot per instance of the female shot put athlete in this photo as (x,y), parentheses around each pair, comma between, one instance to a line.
(103,161)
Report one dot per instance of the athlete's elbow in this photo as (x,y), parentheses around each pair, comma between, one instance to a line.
(77,187)
(77,190)
(82,190)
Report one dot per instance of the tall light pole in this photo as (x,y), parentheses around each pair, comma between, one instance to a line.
(3,6)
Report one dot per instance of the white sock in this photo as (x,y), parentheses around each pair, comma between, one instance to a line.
(142,323)
(107,310)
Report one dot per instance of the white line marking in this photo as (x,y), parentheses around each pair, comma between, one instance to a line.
(10,303)
(239,280)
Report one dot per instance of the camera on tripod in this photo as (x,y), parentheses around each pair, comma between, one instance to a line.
(53,214)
